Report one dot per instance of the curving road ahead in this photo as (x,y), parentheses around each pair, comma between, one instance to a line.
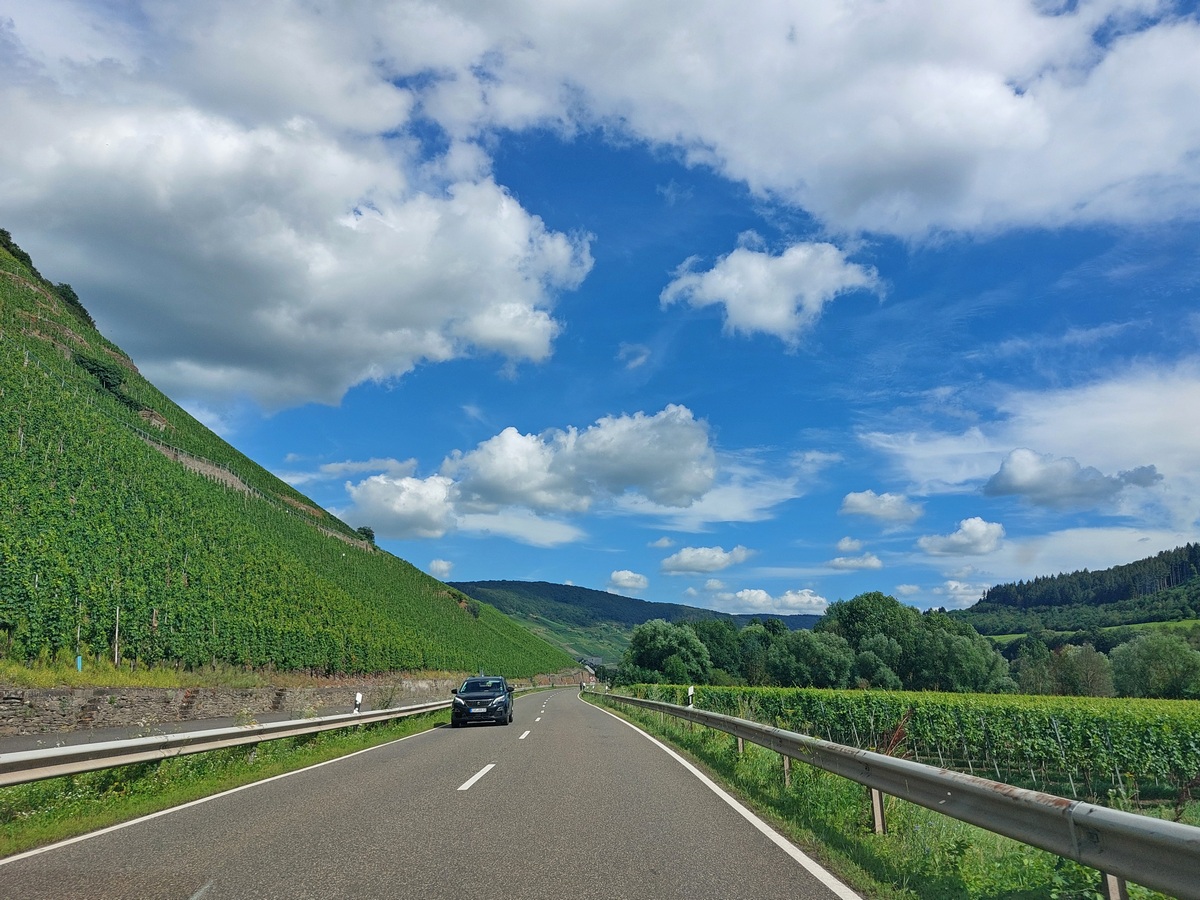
(568,801)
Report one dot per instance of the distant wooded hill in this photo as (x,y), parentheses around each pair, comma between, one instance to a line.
(593,624)
(1160,588)
(132,532)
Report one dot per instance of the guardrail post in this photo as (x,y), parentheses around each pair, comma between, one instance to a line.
(741,746)
(787,771)
(877,812)
(1112,887)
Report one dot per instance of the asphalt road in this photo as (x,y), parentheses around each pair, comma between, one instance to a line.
(568,801)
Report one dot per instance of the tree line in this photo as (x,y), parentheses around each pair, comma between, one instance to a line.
(1149,663)
(874,641)
(871,641)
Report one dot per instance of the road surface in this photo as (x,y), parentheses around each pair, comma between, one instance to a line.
(568,801)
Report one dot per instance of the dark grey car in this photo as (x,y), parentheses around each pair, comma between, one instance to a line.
(484,698)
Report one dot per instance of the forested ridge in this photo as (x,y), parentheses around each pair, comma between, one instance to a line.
(111,546)
(1160,588)
(585,606)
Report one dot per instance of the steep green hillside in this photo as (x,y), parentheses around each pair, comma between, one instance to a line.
(1160,588)
(126,521)
(587,623)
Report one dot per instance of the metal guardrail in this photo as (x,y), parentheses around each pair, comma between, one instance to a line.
(1155,853)
(34,765)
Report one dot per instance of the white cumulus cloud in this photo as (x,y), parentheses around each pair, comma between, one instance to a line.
(700,560)
(666,458)
(405,507)
(910,118)
(239,213)
(524,486)
(894,509)
(262,217)
(1042,479)
(974,537)
(779,295)
(758,601)
(625,581)
(960,594)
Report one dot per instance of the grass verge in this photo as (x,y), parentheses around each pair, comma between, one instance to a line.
(924,856)
(42,812)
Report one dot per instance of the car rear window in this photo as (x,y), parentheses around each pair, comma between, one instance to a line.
(490,684)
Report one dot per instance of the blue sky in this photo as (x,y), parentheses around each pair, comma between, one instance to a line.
(750,309)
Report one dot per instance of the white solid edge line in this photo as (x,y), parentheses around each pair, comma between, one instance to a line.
(815,869)
(164,812)
(466,785)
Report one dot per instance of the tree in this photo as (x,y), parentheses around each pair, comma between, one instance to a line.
(776,627)
(720,636)
(1032,667)
(659,649)
(1081,672)
(872,672)
(867,615)
(886,648)
(934,651)
(367,533)
(108,372)
(754,643)
(945,661)
(810,659)
(1156,664)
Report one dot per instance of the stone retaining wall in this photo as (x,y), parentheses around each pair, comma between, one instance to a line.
(36,711)
(46,710)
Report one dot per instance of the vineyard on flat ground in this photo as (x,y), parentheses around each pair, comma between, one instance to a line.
(1121,753)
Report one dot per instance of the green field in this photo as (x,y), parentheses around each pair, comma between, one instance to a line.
(1122,752)
(1002,641)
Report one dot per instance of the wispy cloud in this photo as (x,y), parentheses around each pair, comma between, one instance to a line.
(633,356)
(855,563)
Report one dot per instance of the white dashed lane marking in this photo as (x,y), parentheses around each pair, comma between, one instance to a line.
(466,785)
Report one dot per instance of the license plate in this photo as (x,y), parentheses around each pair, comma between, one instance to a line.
(478,709)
